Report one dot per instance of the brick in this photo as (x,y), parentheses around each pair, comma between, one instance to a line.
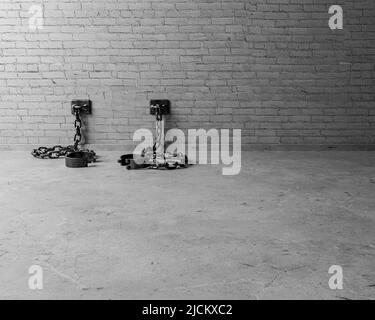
(272,68)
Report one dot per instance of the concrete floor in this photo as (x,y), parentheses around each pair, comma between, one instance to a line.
(270,233)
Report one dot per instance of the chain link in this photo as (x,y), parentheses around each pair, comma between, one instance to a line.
(77,126)
(158,135)
(59,151)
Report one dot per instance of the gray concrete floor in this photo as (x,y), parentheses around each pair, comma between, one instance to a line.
(270,233)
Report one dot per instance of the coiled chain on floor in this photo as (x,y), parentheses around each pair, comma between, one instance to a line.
(52,153)
(59,151)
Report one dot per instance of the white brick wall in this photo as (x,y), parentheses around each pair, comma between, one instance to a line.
(270,67)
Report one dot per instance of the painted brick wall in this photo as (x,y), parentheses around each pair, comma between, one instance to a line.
(270,67)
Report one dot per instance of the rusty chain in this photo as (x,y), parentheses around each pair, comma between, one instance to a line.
(59,151)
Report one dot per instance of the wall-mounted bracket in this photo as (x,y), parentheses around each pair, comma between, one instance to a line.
(84,106)
(160,107)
